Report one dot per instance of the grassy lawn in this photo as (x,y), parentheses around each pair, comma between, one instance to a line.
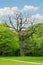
(5,61)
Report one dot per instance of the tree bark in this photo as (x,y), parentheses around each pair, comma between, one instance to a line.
(21,45)
(21,49)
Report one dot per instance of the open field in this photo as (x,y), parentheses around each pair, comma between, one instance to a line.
(21,60)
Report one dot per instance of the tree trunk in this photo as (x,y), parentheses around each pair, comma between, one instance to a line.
(21,49)
(21,45)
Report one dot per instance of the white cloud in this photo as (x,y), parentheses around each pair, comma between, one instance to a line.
(8,11)
(31,8)
(15,8)
(38,16)
(11,11)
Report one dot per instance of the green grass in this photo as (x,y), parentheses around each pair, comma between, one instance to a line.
(3,60)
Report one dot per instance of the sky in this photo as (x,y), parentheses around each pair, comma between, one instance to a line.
(35,7)
(21,3)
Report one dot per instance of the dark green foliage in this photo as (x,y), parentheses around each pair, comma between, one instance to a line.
(34,44)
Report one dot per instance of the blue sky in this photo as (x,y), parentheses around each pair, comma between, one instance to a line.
(21,3)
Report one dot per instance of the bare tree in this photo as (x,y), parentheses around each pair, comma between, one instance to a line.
(19,23)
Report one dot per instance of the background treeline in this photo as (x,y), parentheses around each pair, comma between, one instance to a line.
(9,42)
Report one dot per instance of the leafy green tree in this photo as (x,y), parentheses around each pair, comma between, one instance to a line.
(19,23)
(9,42)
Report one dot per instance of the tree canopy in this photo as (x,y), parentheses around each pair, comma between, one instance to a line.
(9,42)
